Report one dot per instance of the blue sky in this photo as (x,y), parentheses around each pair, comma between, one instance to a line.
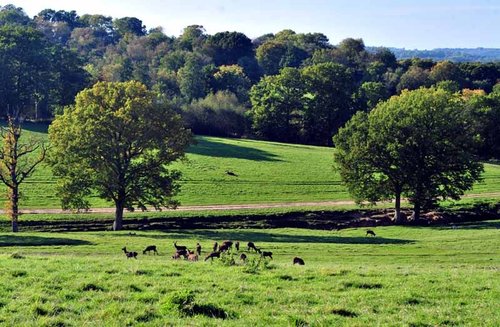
(420,24)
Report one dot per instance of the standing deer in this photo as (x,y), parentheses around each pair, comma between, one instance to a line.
(129,254)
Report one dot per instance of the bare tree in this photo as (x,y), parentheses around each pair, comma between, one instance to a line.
(18,160)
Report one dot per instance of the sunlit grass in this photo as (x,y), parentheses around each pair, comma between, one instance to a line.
(266,172)
(403,277)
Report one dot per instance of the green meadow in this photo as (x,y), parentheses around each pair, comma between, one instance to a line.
(261,172)
(405,276)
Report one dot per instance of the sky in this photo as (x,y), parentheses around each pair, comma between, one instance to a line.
(410,24)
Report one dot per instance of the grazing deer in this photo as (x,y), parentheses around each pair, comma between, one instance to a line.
(265,254)
(225,246)
(150,248)
(179,247)
(129,254)
(198,249)
(237,245)
(192,256)
(298,261)
(213,255)
(370,232)
(252,246)
(180,253)
(243,257)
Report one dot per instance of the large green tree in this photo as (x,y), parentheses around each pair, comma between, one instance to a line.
(35,76)
(418,145)
(328,100)
(277,107)
(117,142)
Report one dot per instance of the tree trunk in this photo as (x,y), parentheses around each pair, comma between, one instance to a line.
(398,218)
(416,211)
(118,223)
(14,207)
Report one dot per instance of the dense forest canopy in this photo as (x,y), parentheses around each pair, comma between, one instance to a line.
(288,86)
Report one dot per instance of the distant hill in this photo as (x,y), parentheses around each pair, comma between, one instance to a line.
(452,54)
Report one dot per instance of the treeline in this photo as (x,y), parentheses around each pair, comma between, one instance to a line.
(451,54)
(286,86)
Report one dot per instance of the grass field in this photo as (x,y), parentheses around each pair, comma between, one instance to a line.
(266,172)
(403,277)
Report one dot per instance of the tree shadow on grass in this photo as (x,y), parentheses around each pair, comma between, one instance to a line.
(21,240)
(469,225)
(256,236)
(31,126)
(212,148)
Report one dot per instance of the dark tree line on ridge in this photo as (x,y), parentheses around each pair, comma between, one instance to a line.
(288,86)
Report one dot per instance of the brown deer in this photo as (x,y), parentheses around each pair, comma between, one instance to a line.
(224,247)
(180,253)
(192,256)
(298,261)
(129,254)
(150,248)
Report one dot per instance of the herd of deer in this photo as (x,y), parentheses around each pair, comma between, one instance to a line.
(183,251)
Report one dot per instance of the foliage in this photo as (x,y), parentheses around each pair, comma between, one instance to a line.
(219,114)
(395,150)
(327,101)
(117,141)
(277,106)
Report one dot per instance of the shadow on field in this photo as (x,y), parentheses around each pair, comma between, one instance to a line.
(471,225)
(18,240)
(256,236)
(223,150)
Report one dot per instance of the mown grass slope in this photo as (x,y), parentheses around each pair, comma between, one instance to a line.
(237,171)
(403,277)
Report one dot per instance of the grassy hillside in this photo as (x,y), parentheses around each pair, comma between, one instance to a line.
(403,277)
(265,172)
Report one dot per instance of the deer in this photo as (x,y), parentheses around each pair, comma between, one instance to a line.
(225,246)
(298,261)
(180,253)
(370,232)
(150,248)
(192,256)
(129,254)
(198,249)
(179,247)
(252,246)
(213,255)
(215,247)
(265,254)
